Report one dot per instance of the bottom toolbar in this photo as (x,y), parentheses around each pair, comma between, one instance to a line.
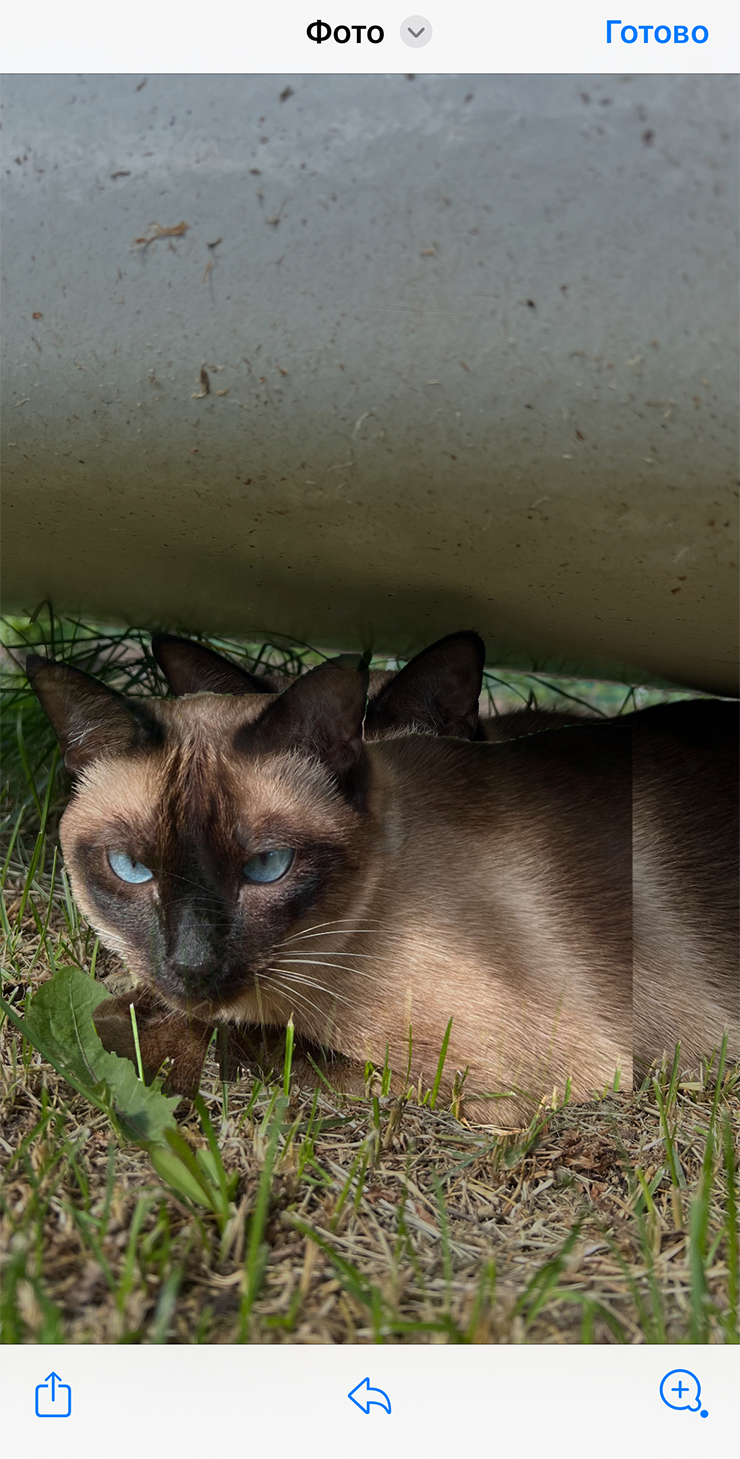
(187,1398)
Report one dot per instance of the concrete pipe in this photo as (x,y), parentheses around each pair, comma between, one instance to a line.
(363,360)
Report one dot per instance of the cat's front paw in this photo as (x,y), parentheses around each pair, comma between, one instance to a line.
(172,1045)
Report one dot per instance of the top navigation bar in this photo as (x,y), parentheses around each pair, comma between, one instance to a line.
(540,36)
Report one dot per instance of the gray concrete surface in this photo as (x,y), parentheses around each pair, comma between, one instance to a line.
(471,346)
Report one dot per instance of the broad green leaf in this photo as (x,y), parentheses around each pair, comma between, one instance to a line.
(59,1023)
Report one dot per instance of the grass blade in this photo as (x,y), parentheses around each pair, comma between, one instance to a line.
(440,1066)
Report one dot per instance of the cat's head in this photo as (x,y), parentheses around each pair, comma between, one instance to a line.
(436,692)
(203,831)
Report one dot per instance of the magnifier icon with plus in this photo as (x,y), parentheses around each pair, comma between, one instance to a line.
(681,1389)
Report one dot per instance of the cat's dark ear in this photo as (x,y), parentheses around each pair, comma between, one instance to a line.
(89,719)
(320,713)
(435,693)
(191,668)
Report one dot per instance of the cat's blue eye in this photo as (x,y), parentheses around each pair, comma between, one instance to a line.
(269,865)
(128,870)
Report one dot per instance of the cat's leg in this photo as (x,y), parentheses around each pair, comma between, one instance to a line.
(171,1044)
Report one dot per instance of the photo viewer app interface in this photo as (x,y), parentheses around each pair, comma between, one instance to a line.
(370,1007)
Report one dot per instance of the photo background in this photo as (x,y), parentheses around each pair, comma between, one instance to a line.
(475,339)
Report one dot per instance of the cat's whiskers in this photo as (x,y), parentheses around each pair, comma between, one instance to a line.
(336,967)
(335,932)
(305,982)
(375,957)
(292,994)
(333,922)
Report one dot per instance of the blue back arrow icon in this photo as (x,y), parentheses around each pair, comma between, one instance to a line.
(363,1395)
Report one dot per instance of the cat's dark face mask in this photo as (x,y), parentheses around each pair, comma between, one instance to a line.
(202,832)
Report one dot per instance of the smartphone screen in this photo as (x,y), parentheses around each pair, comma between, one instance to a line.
(370,1016)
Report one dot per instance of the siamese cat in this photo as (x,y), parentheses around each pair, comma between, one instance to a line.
(253,859)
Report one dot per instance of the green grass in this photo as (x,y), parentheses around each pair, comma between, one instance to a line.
(274,1214)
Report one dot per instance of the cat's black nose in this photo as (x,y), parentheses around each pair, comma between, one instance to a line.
(190,944)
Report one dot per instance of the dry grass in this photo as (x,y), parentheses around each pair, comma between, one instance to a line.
(382,1221)
(347,1220)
